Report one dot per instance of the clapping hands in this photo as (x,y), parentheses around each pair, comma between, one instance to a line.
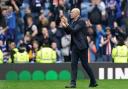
(64,21)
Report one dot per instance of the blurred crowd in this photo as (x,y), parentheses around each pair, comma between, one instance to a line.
(31,32)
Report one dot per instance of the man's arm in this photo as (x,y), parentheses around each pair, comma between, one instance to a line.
(15,6)
(80,24)
(35,30)
(64,23)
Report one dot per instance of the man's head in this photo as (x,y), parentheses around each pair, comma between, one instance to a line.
(29,20)
(54,45)
(10,9)
(108,30)
(45,31)
(35,44)
(75,13)
(53,24)
(22,48)
(99,27)
(11,44)
(1,42)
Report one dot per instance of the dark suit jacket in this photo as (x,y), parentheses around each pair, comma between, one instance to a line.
(78,32)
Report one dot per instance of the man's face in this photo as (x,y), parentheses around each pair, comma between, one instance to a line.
(35,45)
(53,24)
(108,32)
(54,45)
(99,27)
(12,45)
(10,9)
(4,12)
(1,43)
(29,20)
(44,31)
(73,14)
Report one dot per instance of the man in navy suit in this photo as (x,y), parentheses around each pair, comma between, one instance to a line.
(79,46)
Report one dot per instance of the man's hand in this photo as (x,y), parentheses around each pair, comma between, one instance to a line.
(88,23)
(109,36)
(13,2)
(64,21)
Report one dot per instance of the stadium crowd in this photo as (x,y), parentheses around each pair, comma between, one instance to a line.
(31,32)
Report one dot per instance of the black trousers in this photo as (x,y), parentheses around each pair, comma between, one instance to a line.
(83,56)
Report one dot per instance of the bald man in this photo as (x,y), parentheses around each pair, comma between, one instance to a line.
(79,46)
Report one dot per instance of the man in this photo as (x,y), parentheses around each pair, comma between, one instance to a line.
(11,20)
(31,27)
(120,52)
(108,42)
(79,46)
(1,57)
(21,56)
(46,55)
(12,50)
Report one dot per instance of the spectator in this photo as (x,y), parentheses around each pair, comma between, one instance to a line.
(56,34)
(11,20)
(27,14)
(36,46)
(2,34)
(85,7)
(107,43)
(31,27)
(75,3)
(58,53)
(46,8)
(120,53)
(3,25)
(99,34)
(36,6)
(12,50)
(55,11)
(111,11)
(24,6)
(1,57)
(65,42)
(119,30)
(43,22)
(45,38)
(3,48)
(21,56)
(27,41)
(46,55)
(95,15)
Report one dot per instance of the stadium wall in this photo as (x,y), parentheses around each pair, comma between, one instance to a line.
(60,71)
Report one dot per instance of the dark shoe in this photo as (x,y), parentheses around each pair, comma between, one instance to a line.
(93,85)
(70,86)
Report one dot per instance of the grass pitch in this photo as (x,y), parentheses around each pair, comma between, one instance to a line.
(81,84)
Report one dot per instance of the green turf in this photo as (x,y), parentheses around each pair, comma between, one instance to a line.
(81,84)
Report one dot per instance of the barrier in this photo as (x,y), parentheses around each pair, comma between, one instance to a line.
(60,71)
